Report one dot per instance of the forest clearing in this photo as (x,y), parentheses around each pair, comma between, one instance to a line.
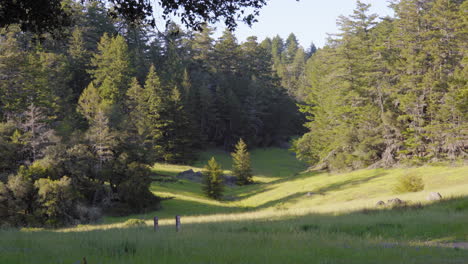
(141,131)
(273,221)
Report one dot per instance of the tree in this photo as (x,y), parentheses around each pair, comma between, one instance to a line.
(112,71)
(48,16)
(34,15)
(39,134)
(79,58)
(11,149)
(241,164)
(102,139)
(388,92)
(212,180)
(12,63)
(290,48)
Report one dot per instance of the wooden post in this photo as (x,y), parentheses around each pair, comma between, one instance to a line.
(177,222)
(156,223)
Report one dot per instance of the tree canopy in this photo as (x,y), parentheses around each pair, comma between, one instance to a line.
(48,15)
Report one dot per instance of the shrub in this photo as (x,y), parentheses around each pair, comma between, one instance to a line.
(88,214)
(58,201)
(134,192)
(135,223)
(409,183)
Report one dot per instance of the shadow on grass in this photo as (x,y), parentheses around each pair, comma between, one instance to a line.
(347,183)
(173,207)
(439,221)
(279,203)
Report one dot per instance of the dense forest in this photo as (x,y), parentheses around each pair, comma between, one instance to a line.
(83,116)
(389,92)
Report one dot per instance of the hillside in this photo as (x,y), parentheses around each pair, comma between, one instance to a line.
(273,221)
(284,187)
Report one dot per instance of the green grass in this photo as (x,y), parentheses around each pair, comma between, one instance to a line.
(272,221)
(406,235)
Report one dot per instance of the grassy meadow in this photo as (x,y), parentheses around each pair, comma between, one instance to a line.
(288,216)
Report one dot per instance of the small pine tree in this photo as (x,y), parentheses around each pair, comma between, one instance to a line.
(212,180)
(241,164)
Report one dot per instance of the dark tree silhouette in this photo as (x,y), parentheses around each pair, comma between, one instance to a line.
(48,15)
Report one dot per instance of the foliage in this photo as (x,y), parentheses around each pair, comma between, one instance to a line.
(57,200)
(55,14)
(383,93)
(213,186)
(134,191)
(335,235)
(49,17)
(134,223)
(241,164)
(409,183)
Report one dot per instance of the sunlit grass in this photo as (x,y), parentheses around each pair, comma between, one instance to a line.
(287,216)
(411,235)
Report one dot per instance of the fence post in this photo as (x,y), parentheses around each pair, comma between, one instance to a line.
(177,222)
(156,223)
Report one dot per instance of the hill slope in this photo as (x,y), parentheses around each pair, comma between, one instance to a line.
(289,216)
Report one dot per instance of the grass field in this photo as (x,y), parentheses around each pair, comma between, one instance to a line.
(288,216)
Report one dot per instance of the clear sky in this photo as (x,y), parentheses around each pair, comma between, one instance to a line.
(309,20)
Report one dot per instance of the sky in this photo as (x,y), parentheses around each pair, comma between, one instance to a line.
(309,20)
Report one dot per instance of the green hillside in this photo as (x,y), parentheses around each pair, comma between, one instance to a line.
(288,216)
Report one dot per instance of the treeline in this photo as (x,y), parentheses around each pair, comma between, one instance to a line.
(393,91)
(83,117)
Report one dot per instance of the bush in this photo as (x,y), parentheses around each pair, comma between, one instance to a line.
(58,201)
(409,183)
(134,193)
(87,214)
(135,223)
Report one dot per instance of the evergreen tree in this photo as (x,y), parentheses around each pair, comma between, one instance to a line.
(12,62)
(79,58)
(102,139)
(89,103)
(178,133)
(226,52)
(202,47)
(290,48)
(212,180)
(241,164)
(111,73)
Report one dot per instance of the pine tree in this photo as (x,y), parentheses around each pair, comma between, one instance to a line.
(102,139)
(79,58)
(241,164)
(212,180)
(178,133)
(12,62)
(112,71)
(290,49)
(89,103)
(157,98)
(202,46)
(226,53)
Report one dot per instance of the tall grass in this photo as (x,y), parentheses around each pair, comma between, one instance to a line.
(286,217)
(399,235)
